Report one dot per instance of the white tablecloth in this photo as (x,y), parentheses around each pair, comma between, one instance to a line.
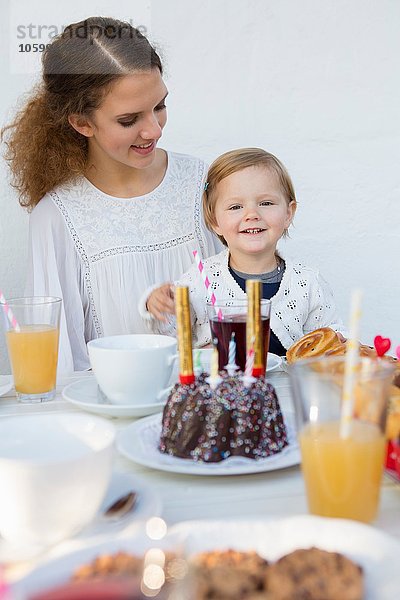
(272,494)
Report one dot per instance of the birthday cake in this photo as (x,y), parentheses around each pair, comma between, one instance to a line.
(205,424)
(226,414)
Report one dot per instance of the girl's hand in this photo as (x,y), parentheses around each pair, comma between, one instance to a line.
(161,301)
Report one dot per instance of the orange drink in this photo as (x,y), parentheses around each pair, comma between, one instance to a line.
(32,339)
(342,466)
(33,353)
(343,476)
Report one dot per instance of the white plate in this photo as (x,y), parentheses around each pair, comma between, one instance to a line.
(372,549)
(285,365)
(273,360)
(376,552)
(85,394)
(6,383)
(147,505)
(53,572)
(139,442)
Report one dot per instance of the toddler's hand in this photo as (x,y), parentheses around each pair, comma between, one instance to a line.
(161,301)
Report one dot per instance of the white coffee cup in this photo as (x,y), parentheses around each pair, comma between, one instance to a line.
(133,369)
(54,473)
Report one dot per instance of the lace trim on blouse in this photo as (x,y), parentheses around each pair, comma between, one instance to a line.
(198,207)
(137,248)
(85,260)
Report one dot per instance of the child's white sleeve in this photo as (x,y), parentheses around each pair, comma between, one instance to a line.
(323,311)
(198,310)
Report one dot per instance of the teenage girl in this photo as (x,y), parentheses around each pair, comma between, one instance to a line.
(112,213)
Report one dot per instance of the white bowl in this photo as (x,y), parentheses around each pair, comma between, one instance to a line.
(133,369)
(54,473)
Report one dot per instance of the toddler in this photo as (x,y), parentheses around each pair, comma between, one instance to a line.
(249,202)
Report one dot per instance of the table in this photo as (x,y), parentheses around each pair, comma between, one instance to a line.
(263,495)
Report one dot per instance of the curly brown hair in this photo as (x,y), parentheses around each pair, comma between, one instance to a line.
(79,67)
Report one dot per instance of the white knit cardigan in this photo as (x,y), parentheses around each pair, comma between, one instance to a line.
(303,303)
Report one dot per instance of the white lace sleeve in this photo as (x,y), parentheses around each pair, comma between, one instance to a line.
(55,270)
(323,311)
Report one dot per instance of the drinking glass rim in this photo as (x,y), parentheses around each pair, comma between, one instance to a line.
(31,301)
(385,367)
(229,302)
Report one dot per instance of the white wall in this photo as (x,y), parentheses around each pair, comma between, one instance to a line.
(316,83)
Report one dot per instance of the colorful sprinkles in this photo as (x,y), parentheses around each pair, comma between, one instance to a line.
(208,425)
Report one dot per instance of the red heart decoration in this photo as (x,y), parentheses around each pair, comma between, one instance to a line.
(398,352)
(381,344)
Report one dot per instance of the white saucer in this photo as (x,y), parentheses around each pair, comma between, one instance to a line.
(147,505)
(6,383)
(273,362)
(85,394)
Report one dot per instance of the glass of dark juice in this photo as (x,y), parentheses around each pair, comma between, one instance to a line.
(227,316)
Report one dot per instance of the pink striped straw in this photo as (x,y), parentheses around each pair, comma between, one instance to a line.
(248,371)
(248,378)
(206,282)
(10,315)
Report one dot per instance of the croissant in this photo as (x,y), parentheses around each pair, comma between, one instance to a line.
(325,341)
(318,342)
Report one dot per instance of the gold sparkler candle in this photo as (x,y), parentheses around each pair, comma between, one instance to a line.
(254,326)
(184,332)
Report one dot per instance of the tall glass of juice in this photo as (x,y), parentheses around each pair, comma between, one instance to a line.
(229,316)
(32,342)
(342,473)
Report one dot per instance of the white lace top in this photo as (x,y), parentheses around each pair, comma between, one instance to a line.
(99,253)
(303,303)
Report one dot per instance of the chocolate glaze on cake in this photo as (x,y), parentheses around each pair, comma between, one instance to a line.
(210,425)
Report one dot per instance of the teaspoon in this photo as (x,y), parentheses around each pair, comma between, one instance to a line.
(120,507)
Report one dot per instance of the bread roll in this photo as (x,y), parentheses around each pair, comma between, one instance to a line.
(314,344)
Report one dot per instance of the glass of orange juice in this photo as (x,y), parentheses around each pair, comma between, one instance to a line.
(32,343)
(342,472)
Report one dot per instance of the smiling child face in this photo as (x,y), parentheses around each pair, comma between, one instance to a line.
(252,213)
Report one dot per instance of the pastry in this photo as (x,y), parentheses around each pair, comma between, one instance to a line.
(326,342)
(315,344)
(227,575)
(314,574)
